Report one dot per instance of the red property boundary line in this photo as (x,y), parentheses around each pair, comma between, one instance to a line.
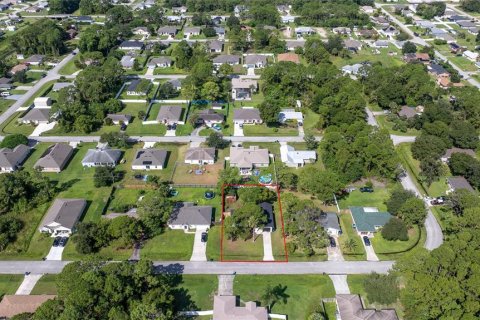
(281,218)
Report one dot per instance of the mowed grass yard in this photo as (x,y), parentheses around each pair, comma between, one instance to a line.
(356,198)
(198,290)
(358,251)
(46,285)
(185,173)
(9,283)
(303,293)
(171,245)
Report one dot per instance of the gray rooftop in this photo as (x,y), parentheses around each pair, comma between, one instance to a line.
(225,308)
(12,158)
(186,213)
(246,114)
(210,115)
(351,308)
(457,183)
(120,117)
(37,114)
(147,157)
(65,212)
(247,158)
(102,156)
(200,154)
(448,153)
(255,58)
(168,30)
(329,220)
(226,58)
(169,113)
(407,112)
(55,157)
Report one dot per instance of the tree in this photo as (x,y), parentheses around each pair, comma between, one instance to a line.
(228,176)
(350,244)
(115,139)
(9,227)
(233,22)
(315,51)
(12,140)
(90,237)
(245,221)
(464,134)
(395,229)
(381,288)
(272,294)
(397,199)
(409,47)
(104,176)
(312,143)
(430,170)
(225,69)
(256,195)
(215,140)
(210,91)
(154,211)
(209,32)
(322,184)
(20,76)
(428,147)
(63,6)
(183,54)
(269,111)
(412,212)
(41,37)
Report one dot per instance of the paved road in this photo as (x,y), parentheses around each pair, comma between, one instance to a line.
(371,118)
(401,139)
(187,267)
(51,75)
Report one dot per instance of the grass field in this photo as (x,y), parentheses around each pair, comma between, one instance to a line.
(364,199)
(196,289)
(263,130)
(9,283)
(69,68)
(385,124)
(383,246)
(303,293)
(171,245)
(46,285)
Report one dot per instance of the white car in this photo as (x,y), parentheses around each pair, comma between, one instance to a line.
(5,94)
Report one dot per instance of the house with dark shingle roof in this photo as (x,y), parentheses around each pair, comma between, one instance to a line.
(209,117)
(255,61)
(62,216)
(120,118)
(226,58)
(458,183)
(169,114)
(407,112)
(187,216)
(200,156)
(55,158)
(101,157)
(36,116)
(367,220)
(131,45)
(149,159)
(11,159)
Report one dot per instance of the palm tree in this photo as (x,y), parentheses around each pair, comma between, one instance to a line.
(350,244)
(272,294)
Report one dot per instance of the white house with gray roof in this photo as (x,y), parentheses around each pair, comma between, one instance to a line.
(127,62)
(191,31)
(296,158)
(200,155)
(101,157)
(247,116)
(256,61)
(11,159)
(229,59)
(215,46)
(55,158)
(170,115)
(119,118)
(149,159)
(36,116)
(169,31)
(329,222)
(62,216)
(160,62)
(187,217)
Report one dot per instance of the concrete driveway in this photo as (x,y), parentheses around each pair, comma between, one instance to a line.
(199,248)
(170,133)
(340,283)
(335,254)
(42,127)
(28,284)
(267,246)
(55,253)
(237,130)
(371,255)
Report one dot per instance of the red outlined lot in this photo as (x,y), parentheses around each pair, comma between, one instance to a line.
(277,190)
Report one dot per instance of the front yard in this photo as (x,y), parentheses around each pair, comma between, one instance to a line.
(172,245)
(9,283)
(354,251)
(265,131)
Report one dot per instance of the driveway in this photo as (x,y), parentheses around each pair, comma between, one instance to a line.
(340,283)
(267,246)
(199,248)
(335,254)
(55,253)
(225,284)
(170,133)
(42,127)
(28,284)
(371,255)
(237,130)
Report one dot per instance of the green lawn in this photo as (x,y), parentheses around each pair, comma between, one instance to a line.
(364,199)
(9,283)
(196,289)
(184,129)
(310,120)
(263,130)
(137,128)
(358,252)
(12,125)
(46,285)
(213,243)
(385,124)
(5,104)
(303,292)
(69,68)
(367,54)
(123,198)
(171,245)
(383,246)
(272,147)
(206,132)
(112,252)
(243,250)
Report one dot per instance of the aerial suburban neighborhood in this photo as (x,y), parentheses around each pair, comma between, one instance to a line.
(239,159)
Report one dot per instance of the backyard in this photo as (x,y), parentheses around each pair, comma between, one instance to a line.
(187,173)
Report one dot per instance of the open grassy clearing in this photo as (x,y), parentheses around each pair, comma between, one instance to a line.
(9,283)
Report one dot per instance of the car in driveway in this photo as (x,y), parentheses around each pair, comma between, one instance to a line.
(204,237)
(63,241)
(56,242)
(333,244)
(366,240)
(366,189)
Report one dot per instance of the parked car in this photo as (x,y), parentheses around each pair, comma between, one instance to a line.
(56,242)
(333,244)
(366,189)
(63,241)
(366,240)
(204,237)
(5,94)
(438,201)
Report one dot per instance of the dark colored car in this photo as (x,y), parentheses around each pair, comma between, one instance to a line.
(204,237)
(63,241)
(123,127)
(56,242)
(366,240)
(333,244)
(366,189)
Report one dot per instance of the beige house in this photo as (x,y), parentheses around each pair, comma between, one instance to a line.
(243,89)
(350,307)
(248,159)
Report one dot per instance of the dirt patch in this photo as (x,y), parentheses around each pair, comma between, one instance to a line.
(187,173)
(321,32)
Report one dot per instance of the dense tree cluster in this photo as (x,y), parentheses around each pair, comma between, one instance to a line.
(13,140)
(470,5)
(395,229)
(98,38)
(41,37)
(94,6)
(381,288)
(93,290)
(330,13)
(465,165)
(322,184)
(9,227)
(155,209)
(430,10)
(63,6)
(406,206)
(357,150)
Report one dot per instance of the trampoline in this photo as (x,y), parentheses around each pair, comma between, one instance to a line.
(209,195)
(173,192)
(199,171)
(266,179)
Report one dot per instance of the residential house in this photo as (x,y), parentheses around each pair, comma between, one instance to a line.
(458,183)
(352,70)
(456,18)
(63,216)
(255,61)
(367,221)
(36,116)
(466,24)
(286,19)
(424,23)
(247,159)
(209,117)
(284,9)
(226,308)
(175,19)
(290,115)
(11,159)
(35,60)
(246,115)
(352,45)
(141,31)
(127,62)
(200,155)
(239,9)
(342,30)
(134,45)
(367,33)
(416,57)
(381,21)
(181,9)
(136,88)
(19,68)
(55,158)
(288,57)
(119,118)
(13,305)
(448,153)
(42,102)
(267,211)
(447,37)
(226,58)
(101,157)
(380,44)
(367,9)
(243,89)
(149,159)
(390,32)
(170,31)
(220,31)
(291,45)
(437,70)
(302,32)
(60,85)
(437,31)
(160,62)
(350,307)
(6,83)
(295,159)
(176,84)
(187,217)
(329,222)
(33,9)
(218,105)
(470,55)
(215,46)
(84,19)
(169,114)
(191,31)
(407,112)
